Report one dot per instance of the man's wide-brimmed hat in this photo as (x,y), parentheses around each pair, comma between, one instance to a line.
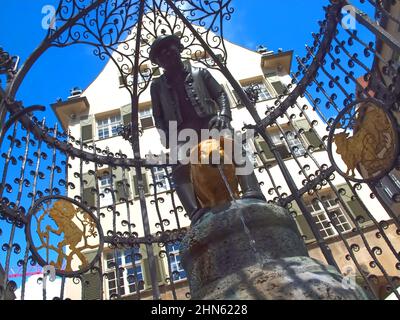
(160,42)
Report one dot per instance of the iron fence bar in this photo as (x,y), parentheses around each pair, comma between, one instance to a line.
(161,221)
(369,47)
(171,192)
(349,248)
(331,26)
(376,223)
(34,185)
(170,272)
(382,9)
(13,118)
(334,80)
(22,180)
(53,162)
(316,102)
(11,245)
(99,216)
(316,106)
(156,200)
(125,190)
(354,192)
(136,153)
(388,209)
(266,166)
(377,30)
(62,289)
(322,202)
(123,241)
(348,54)
(323,176)
(355,222)
(300,202)
(46,44)
(348,75)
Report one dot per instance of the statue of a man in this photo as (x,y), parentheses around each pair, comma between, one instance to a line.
(193,99)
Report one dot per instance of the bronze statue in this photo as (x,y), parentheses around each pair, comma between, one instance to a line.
(191,98)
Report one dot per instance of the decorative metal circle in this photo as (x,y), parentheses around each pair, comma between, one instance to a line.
(366,139)
(64,234)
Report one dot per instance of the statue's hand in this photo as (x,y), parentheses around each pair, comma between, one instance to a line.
(220,122)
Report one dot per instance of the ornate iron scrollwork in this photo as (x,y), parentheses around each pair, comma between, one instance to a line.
(66,232)
(8,64)
(367,141)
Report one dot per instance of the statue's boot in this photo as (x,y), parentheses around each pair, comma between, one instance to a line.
(250,187)
(185,191)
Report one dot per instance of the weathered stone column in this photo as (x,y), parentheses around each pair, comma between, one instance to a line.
(269,260)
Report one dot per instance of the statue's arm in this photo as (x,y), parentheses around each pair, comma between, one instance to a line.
(157,111)
(219,95)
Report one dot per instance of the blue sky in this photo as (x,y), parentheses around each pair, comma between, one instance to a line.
(274,24)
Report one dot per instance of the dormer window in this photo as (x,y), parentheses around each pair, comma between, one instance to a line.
(146,118)
(108,127)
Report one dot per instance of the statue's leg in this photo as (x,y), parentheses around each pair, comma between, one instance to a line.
(184,189)
(248,183)
(250,187)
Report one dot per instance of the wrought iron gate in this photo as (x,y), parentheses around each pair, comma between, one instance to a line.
(51,183)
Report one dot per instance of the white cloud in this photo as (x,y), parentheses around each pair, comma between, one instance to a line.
(34,290)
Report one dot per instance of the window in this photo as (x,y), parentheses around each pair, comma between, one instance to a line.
(108,127)
(204,57)
(308,133)
(388,192)
(131,278)
(295,145)
(146,118)
(275,80)
(322,220)
(161,180)
(249,153)
(395,180)
(263,93)
(105,189)
(144,75)
(178,273)
(279,87)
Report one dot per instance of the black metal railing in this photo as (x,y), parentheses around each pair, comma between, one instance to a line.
(131,217)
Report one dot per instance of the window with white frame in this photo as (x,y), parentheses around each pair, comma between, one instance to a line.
(276,83)
(326,223)
(388,192)
(286,147)
(144,75)
(146,118)
(295,145)
(108,127)
(204,57)
(161,179)
(105,189)
(249,147)
(178,273)
(395,180)
(278,141)
(262,90)
(130,280)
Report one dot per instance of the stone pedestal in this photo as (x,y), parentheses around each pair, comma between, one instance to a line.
(253,250)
